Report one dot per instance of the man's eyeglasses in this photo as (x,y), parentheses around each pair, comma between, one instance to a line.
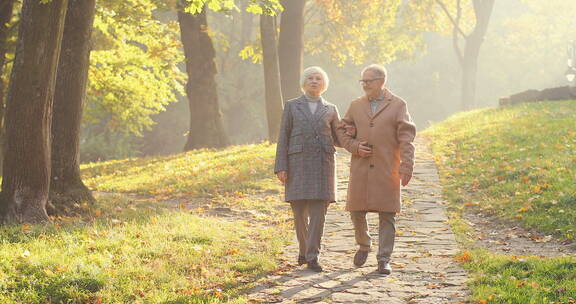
(368,81)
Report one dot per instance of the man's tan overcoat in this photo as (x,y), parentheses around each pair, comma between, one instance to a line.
(375,181)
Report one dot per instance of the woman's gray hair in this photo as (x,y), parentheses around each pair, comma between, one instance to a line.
(379,70)
(311,70)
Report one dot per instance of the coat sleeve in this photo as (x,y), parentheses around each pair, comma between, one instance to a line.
(405,132)
(281,163)
(334,124)
(346,141)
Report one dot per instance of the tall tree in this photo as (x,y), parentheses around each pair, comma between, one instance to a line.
(66,183)
(6,9)
(272,85)
(206,128)
(26,172)
(291,47)
(468,58)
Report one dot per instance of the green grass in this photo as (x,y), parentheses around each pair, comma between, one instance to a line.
(145,250)
(517,163)
(197,173)
(526,280)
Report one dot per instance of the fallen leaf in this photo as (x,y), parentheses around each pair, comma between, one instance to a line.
(218,293)
(141,293)
(61,268)
(545,239)
(116,222)
(464,257)
(232,251)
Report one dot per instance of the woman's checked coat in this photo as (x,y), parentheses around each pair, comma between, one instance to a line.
(306,150)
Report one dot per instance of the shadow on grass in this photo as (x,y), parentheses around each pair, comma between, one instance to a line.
(108,211)
(124,250)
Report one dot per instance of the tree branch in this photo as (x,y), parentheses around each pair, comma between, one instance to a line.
(452,20)
(309,14)
(455,27)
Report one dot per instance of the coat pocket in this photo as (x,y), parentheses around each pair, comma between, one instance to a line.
(296,132)
(295,149)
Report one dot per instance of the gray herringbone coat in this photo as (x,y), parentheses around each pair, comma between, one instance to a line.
(306,150)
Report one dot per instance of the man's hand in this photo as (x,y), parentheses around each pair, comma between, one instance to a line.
(282,176)
(350,130)
(364,150)
(405,178)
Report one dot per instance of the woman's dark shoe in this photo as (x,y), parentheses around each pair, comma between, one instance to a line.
(314,266)
(301,260)
(360,257)
(384,267)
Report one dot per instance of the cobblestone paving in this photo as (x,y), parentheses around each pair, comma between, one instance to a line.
(423,270)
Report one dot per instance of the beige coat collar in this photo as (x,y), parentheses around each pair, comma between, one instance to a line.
(366,104)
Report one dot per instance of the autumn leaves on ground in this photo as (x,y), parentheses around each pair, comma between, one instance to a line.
(518,165)
(152,236)
(203,226)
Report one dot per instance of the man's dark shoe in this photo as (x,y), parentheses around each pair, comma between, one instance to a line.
(360,257)
(384,267)
(314,266)
(301,260)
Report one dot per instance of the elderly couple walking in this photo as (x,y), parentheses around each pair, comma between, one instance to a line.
(377,130)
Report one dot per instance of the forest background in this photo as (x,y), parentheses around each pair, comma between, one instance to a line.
(136,103)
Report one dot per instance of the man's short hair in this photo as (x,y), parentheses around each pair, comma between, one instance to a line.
(379,70)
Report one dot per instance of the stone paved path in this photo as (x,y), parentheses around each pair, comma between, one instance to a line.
(422,263)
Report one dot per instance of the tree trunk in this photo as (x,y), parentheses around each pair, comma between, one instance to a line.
(469,72)
(473,42)
(290,47)
(26,172)
(206,128)
(6,10)
(271,75)
(66,184)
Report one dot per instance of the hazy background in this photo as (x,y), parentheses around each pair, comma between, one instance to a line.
(525,48)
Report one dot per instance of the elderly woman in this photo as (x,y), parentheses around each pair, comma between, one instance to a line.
(305,161)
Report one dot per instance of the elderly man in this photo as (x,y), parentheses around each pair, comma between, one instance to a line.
(378,131)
